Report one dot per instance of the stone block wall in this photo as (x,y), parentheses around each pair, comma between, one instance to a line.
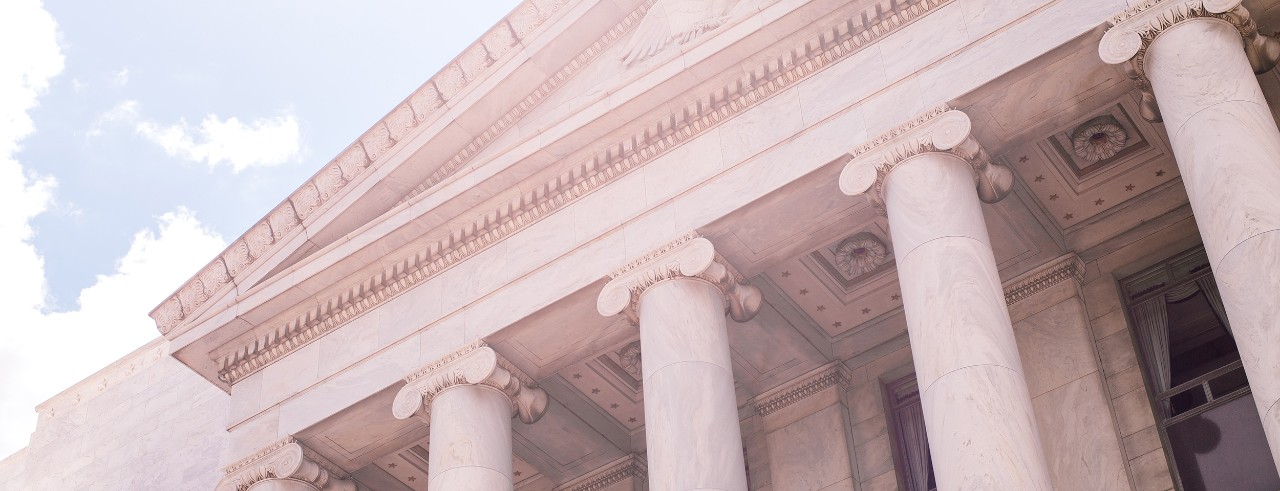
(1126,390)
(145,422)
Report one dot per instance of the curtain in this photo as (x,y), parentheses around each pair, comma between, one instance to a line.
(1210,289)
(1151,324)
(915,447)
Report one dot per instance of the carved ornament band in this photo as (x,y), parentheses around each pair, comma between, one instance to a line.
(285,459)
(629,467)
(1134,30)
(831,375)
(477,364)
(940,129)
(690,256)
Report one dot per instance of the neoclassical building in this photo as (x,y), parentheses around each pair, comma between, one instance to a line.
(747,245)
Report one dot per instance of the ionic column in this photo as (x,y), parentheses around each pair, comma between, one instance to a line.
(469,398)
(929,176)
(679,295)
(285,466)
(1199,59)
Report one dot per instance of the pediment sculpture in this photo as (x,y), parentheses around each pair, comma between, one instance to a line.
(675,22)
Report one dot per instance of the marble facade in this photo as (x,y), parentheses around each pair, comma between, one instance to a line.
(684,244)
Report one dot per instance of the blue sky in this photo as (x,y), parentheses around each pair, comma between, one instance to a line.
(137,137)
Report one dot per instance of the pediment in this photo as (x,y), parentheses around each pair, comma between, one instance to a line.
(405,218)
(470,107)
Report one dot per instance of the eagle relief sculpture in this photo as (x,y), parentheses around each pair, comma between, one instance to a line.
(679,21)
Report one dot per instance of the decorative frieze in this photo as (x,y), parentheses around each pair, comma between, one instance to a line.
(1027,285)
(803,387)
(677,22)
(630,467)
(1134,29)
(475,364)
(940,129)
(757,85)
(285,459)
(690,256)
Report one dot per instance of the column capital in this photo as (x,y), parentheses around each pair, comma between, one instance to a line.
(939,130)
(285,459)
(1133,30)
(690,256)
(475,364)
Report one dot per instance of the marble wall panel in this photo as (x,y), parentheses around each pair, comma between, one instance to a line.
(1055,347)
(131,441)
(1076,432)
(812,453)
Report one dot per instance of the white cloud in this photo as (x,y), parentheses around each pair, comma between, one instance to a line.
(120,77)
(41,353)
(44,353)
(262,142)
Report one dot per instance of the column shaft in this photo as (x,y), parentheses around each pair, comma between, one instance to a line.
(1228,149)
(978,414)
(691,412)
(470,447)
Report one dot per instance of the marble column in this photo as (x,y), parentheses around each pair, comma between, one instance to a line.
(679,295)
(285,466)
(930,177)
(1199,61)
(469,398)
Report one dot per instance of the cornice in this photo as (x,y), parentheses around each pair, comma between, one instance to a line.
(803,387)
(757,85)
(475,364)
(629,467)
(1027,285)
(689,256)
(285,459)
(365,152)
(940,129)
(1134,29)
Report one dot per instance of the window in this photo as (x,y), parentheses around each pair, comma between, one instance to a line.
(906,429)
(1204,410)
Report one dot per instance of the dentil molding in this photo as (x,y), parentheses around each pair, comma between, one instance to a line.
(690,256)
(476,364)
(940,129)
(285,459)
(1134,29)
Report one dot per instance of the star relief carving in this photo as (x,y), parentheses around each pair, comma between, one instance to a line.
(676,22)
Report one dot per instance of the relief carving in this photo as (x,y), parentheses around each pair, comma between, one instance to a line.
(1099,139)
(860,254)
(676,22)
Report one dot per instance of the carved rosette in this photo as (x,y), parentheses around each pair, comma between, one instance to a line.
(477,364)
(860,254)
(690,256)
(939,130)
(1134,29)
(1099,139)
(285,459)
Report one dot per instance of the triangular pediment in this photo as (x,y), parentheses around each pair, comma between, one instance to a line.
(445,126)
